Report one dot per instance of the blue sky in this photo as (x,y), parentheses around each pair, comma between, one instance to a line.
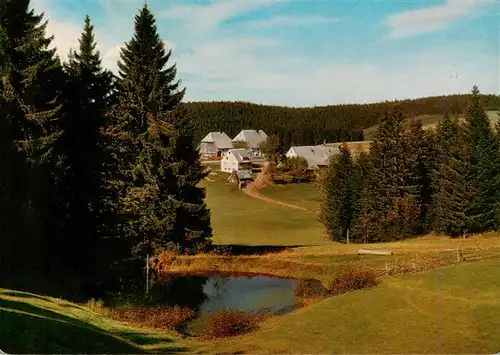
(305,53)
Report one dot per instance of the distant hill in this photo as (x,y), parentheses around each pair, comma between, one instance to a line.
(314,125)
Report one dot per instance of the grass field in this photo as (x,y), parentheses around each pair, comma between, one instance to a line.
(243,220)
(448,310)
(305,195)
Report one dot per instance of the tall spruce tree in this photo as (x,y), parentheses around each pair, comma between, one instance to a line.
(87,100)
(157,168)
(484,169)
(338,190)
(389,207)
(453,190)
(32,80)
(419,145)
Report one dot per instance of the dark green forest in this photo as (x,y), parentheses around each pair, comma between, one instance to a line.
(414,182)
(96,168)
(310,126)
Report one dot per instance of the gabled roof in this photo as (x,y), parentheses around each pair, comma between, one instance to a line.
(220,140)
(241,155)
(252,137)
(315,155)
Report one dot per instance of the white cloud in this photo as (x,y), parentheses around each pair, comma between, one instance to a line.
(432,18)
(242,74)
(296,20)
(208,17)
(66,33)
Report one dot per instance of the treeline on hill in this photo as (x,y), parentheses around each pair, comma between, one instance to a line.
(95,168)
(311,126)
(413,181)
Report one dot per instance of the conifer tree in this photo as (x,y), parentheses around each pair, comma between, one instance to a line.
(87,100)
(389,207)
(484,167)
(453,191)
(419,145)
(157,168)
(361,171)
(32,80)
(338,206)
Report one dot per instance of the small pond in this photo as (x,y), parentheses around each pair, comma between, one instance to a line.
(208,293)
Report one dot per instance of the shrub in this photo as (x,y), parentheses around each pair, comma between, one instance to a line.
(351,279)
(227,322)
(170,318)
(307,292)
(308,289)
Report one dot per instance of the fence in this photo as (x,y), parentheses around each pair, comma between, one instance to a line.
(437,259)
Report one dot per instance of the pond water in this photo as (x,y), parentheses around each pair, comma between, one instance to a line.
(206,294)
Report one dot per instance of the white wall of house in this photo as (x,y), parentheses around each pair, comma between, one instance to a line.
(229,163)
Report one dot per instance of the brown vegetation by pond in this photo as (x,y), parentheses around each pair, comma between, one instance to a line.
(308,292)
(351,279)
(227,322)
(165,318)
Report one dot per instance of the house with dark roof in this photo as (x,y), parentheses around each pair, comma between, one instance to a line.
(253,139)
(215,145)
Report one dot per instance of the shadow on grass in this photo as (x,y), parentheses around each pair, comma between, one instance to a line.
(26,328)
(24,295)
(237,249)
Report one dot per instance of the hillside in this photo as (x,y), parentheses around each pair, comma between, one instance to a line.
(308,126)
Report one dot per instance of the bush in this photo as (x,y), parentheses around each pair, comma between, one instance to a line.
(308,289)
(308,292)
(351,279)
(226,322)
(169,318)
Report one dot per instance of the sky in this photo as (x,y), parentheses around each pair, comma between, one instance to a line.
(304,53)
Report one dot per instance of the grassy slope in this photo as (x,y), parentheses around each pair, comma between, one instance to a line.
(34,324)
(448,310)
(241,219)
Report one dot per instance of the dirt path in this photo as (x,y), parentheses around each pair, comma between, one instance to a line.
(260,182)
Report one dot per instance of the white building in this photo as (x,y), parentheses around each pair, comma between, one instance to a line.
(215,145)
(316,156)
(253,139)
(236,160)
